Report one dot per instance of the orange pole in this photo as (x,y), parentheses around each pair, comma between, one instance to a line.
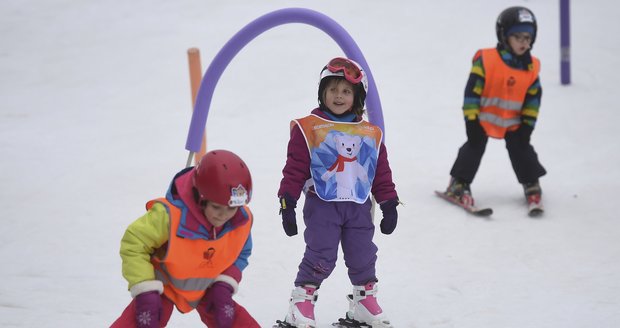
(195,77)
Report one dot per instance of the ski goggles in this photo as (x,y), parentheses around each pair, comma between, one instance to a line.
(351,71)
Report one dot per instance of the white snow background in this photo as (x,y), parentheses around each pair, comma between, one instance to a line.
(94,112)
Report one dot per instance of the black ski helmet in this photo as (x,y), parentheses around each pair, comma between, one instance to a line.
(512,17)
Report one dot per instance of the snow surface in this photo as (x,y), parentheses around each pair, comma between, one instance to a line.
(94,112)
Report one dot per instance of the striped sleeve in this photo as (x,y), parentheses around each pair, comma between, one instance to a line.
(473,89)
(531,104)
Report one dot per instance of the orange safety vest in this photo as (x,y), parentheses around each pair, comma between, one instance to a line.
(504,92)
(188,267)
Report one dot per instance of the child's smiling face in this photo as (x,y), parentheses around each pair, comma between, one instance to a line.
(338,96)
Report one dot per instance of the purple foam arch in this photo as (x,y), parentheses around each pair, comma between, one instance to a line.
(251,31)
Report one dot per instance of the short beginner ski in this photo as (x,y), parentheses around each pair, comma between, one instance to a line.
(467,203)
(342,323)
(534,206)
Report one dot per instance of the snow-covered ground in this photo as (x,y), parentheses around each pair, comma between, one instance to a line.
(94,112)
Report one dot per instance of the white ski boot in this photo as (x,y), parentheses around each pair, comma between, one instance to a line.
(363,306)
(301,307)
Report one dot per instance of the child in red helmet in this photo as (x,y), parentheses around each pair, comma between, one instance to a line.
(189,249)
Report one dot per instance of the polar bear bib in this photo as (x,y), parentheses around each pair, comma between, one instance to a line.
(343,157)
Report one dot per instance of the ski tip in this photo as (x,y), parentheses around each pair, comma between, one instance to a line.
(535,213)
(483,212)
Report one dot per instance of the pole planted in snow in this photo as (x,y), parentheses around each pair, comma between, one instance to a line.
(565,42)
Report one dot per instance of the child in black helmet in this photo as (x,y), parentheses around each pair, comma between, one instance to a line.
(502,99)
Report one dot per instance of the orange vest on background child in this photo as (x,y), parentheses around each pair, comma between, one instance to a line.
(503,94)
(189,266)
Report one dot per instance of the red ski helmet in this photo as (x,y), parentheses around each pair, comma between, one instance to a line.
(222,177)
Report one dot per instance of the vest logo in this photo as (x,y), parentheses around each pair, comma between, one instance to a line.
(238,196)
(511,81)
(525,16)
(322,126)
(208,258)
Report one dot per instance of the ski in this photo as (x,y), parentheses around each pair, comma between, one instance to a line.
(535,211)
(534,206)
(467,205)
(342,323)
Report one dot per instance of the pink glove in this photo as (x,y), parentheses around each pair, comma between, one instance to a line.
(219,302)
(148,309)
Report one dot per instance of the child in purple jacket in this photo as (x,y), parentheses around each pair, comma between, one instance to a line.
(337,159)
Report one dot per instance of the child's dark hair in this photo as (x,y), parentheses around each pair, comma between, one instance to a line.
(358,99)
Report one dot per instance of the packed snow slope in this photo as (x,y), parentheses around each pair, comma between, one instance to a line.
(94,112)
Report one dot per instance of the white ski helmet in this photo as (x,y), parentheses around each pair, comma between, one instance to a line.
(349,70)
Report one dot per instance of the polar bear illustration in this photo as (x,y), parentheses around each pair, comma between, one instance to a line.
(346,168)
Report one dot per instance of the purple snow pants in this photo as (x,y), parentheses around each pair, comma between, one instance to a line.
(327,225)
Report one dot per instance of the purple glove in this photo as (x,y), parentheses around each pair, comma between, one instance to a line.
(287,210)
(148,309)
(219,301)
(390,216)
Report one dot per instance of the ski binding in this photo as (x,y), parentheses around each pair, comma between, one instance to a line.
(283,324)
(350,323)
(467,203)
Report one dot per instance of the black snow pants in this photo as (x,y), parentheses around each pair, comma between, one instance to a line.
(522,156)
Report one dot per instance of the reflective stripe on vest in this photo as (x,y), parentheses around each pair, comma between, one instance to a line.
(504,91)
(189,266)
(194,288)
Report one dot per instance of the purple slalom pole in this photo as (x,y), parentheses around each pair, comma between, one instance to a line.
(564,42)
